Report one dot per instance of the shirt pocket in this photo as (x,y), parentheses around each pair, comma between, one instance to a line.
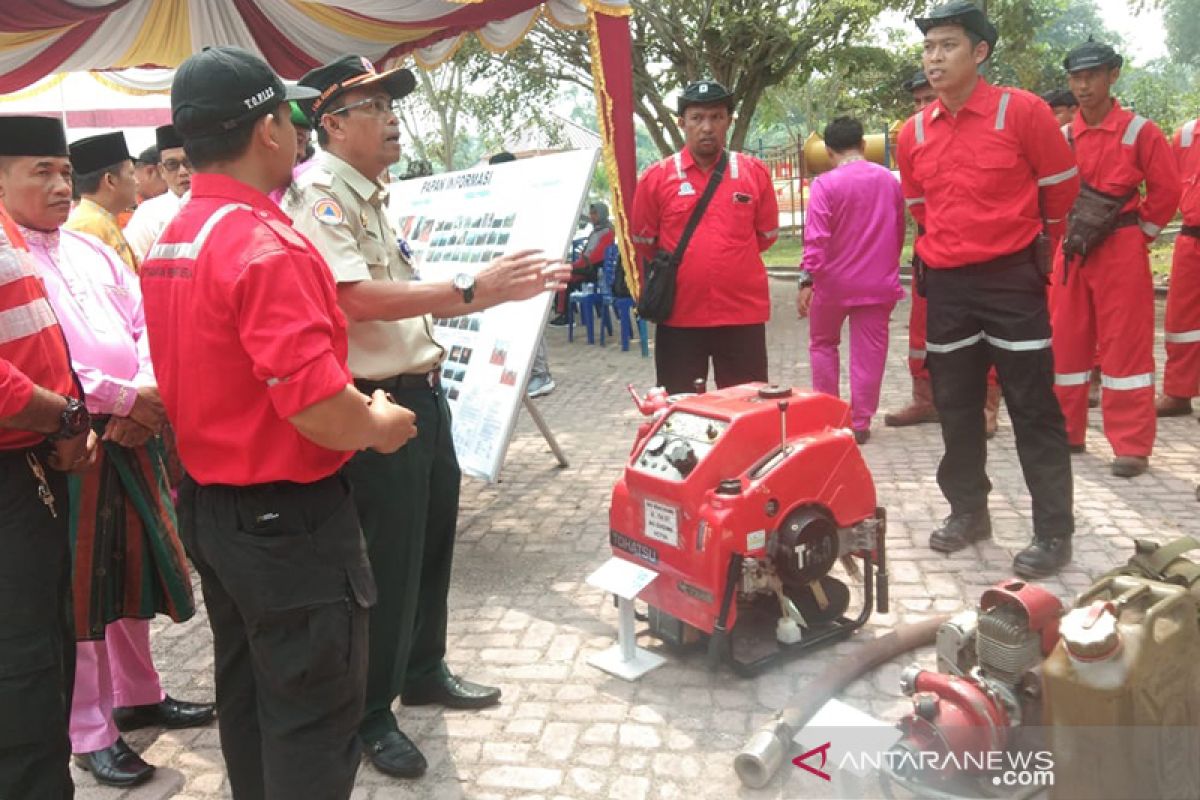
(926,164)
(374,253)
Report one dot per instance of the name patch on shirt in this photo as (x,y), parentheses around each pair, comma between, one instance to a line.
(741,197)
(328,211)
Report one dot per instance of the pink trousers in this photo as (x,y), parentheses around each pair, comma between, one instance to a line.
(116,672)
(868,352)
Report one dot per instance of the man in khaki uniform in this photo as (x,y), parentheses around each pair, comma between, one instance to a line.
(408,500)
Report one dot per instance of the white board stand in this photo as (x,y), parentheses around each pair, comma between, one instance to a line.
(624,659)
(544,429)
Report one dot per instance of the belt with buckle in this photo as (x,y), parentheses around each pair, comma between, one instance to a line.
(415,380)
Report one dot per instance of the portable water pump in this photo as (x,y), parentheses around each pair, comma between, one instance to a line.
(987,683)
(743,500)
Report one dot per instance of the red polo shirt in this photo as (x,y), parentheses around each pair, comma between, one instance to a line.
(721,280)
(982,180)
(244,332)
(33,351)
(1186,143)
(1121,153)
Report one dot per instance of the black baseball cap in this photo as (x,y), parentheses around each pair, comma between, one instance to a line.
(32,136)
(704,93)
(330,81)
(1092,54)
(223,88)
(917,81)
(94,153)
(964,13)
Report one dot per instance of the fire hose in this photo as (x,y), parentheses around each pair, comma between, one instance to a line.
(767,750)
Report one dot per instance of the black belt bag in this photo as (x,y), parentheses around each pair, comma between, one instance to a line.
(657,299)
(1094,216)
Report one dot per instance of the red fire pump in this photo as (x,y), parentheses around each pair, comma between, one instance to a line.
(987,683)
(742,500)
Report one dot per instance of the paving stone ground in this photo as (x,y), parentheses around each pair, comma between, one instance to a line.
(524,618)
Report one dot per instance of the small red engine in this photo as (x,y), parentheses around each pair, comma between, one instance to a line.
(988,682)
(743,500)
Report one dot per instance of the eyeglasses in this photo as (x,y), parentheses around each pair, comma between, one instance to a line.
(379,106)
(173,164)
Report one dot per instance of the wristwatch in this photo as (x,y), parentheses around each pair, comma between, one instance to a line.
(73,421)
(465,284)
(806,279)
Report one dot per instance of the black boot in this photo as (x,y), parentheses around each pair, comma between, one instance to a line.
(1043,557)
(959,530)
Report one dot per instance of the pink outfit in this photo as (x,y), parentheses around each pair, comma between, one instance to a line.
(853,235)
(116,672)
(99,306)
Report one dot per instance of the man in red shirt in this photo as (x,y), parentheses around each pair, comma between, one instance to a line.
(1181,378)
(44,431)
(722,302)
(985,170)
(249,348)
(1107,298)
(921,409)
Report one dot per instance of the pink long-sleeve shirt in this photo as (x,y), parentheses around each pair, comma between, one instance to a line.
(853,234)
(99,306)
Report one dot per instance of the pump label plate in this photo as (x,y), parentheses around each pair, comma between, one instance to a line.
(662,523)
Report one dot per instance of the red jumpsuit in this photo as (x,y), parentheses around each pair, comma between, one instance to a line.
(1182,375)
(1108,302)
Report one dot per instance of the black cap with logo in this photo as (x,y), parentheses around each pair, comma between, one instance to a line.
(32,136)
(917,81)
(94,153)
(705,93)
(334,79)
(964,13)
(1092,54)
(221,89)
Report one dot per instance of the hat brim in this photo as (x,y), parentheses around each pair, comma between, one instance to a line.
(989,34)
(294,91)
(1114,63)
(398,83)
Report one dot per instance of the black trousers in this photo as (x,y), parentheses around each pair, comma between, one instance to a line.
(681,355)
(37,642)
(285,577)
(408,504)
(995,313)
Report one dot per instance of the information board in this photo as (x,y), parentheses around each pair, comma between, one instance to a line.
(459,222)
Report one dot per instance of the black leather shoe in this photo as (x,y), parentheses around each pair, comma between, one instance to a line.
(116,765)
(394,754)
(169,713)
(960,530)
(1042,558)
(444,688)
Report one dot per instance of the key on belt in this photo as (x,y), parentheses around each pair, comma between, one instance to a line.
(43,489)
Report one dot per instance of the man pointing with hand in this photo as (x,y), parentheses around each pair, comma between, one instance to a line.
(408,500)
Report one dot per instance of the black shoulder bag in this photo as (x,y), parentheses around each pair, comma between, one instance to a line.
(658,291)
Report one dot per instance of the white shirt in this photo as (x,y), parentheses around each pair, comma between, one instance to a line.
(150,218)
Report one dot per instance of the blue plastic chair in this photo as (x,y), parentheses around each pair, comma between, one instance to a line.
(587,302)
(622,306)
